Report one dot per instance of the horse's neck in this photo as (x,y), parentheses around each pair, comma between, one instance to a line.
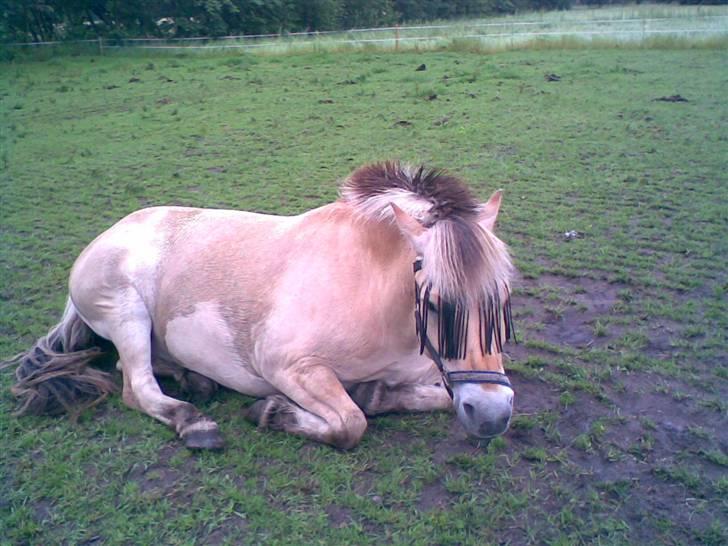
(378,248)
(382,240)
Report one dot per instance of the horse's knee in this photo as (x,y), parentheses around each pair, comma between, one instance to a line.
(349,434)
(277,412)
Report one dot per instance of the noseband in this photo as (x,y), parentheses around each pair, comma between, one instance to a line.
(450,378)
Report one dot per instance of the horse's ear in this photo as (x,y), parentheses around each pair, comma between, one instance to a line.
(489,211)
(409,227)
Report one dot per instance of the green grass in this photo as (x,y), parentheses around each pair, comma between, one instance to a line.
(620,379)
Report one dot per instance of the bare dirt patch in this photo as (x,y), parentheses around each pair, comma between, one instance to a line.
(339,516)
(565,310)
(651,445)
(434,497)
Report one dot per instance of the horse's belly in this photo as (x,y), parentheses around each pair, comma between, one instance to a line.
(203,342)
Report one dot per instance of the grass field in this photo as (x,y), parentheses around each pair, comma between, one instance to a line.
(621,381)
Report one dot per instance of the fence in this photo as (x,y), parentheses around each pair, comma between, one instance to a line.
(508,31)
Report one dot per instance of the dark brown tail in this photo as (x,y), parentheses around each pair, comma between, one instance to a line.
(54,375)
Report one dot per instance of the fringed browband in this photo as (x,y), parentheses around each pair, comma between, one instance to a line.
(452,333)
(453,321)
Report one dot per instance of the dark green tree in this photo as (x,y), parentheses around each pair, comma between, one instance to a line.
(366,13)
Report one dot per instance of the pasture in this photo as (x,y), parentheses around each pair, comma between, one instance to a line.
(619,434)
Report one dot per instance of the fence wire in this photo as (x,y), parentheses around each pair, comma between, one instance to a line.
(620,29)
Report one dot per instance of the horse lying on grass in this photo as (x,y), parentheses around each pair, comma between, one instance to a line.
(393,298)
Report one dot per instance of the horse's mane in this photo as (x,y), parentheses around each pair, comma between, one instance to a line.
(463,261)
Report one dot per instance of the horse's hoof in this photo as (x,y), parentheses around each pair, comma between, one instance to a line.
(198,385)
(274,412)
(204,439)
(256,411)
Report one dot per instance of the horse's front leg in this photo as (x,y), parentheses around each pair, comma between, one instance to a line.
(375,397)
(313,404)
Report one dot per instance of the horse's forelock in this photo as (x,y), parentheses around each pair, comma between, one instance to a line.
(463,261)
(466,263)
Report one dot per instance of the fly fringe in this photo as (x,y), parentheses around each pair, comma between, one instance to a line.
(495,323)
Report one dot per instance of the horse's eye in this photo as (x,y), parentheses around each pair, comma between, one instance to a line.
(432,307)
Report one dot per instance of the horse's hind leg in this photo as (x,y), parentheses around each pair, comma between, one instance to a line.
(315,405)
(132,338)
(191,383)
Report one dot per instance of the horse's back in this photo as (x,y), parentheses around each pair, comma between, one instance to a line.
(131,260)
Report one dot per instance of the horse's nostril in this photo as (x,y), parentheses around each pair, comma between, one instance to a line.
(493,428)
(469,410)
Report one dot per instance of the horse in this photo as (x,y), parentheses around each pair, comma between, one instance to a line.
(393,298)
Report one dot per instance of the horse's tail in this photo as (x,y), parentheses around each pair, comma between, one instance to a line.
(54,376)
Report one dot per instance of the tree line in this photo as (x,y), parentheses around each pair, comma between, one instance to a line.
(45,20)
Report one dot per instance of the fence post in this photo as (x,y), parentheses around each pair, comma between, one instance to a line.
(396,38)
(101,45)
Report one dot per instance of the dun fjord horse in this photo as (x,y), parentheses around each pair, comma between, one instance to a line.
(393,298)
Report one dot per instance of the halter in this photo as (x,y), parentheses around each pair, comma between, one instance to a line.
(467,376)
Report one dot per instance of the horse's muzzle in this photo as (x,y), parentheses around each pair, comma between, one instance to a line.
(484,413)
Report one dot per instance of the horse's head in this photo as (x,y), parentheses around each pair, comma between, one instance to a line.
(463,313)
